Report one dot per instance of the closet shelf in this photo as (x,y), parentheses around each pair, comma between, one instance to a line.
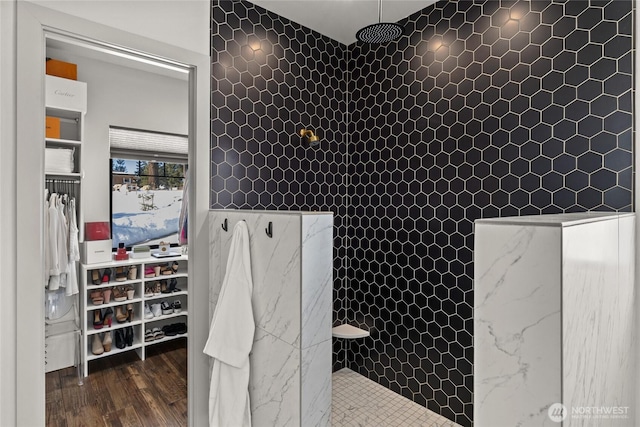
(167,316)
(139,323)
(165,339)
(63,142)
(114,350)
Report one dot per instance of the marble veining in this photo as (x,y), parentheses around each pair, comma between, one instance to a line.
(553,319)
(290,382)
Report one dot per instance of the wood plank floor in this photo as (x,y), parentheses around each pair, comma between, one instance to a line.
(123,390)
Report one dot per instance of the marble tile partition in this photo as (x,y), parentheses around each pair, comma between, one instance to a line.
(290,382)
(553,318)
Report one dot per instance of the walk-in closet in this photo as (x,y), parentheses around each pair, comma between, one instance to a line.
(115,211)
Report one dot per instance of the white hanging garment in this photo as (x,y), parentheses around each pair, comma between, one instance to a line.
(54,264)
(74,249)
(47,255)
(231,338)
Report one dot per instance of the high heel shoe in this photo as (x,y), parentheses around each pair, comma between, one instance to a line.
(120,316)
(119,294)
(120,341)
(165,270)
(106,342)
(121,275)
(96,297)
(106,276)
(108,315)
(174,267)
(129,312)
(164,288)
(106,293)
(128,336)
(96,345)
(133,273)
(130,292)
(97,319)
(172,286)
(95,277)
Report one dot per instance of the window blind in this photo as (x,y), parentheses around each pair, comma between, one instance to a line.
(146,145)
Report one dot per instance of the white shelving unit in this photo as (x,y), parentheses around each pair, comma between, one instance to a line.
(66,100)
(139,323)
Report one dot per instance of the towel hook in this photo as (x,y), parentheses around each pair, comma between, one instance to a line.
(269,230)
(225,225)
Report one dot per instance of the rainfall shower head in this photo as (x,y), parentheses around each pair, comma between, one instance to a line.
(382,32)
(311,138)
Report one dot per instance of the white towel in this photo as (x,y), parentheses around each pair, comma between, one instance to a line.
(231,338)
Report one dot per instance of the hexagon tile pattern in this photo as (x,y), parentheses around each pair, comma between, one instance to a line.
(483,109)
(270,78)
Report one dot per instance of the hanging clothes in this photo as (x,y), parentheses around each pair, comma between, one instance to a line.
(74,250)
(231,338)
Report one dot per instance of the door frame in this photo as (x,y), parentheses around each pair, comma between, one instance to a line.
(32,23)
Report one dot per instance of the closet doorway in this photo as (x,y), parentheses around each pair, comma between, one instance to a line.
(119,93)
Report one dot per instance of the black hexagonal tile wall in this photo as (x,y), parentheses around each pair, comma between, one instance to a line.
(485,108)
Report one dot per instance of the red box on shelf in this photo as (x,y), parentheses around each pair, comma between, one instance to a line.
(96,231)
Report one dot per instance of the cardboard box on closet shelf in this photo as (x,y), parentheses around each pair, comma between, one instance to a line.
(52,127)
(58,68)
(96,251)
(96,230)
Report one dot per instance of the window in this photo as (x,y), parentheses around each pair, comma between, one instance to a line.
(146,199)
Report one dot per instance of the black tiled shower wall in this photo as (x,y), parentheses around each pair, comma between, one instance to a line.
(483,109)
(270,78)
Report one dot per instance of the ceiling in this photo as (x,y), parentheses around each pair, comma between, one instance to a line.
(341,19)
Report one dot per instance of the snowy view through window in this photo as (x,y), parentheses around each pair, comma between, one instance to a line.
(146,201)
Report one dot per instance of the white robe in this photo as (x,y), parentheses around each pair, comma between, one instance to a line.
(231,338)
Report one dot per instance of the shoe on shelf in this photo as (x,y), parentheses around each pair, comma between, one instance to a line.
(165,269)
(120,340)
(108,315)
(106,293)
(132,274)
(157,333)
(96,297)
(121,317)
(149,273)
(156,270)
(106,342)
(174,267)
(177,306)
(97,319)
(148,335)
(106,276)
(166,308)
(148,291)
(129,312)
(96,345)
(157,288)
(119,294)
(128,335)
(147,312)
(172,285)
(95,277)
(156,310)
(130,292)
(164,288)
(121,274)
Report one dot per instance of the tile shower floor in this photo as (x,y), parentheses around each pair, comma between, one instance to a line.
(359,402)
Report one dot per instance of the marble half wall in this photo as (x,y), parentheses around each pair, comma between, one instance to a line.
(554,320)
(290,382)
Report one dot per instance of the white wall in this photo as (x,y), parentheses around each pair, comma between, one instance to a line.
(126,97)
(182,23)
(7,213)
